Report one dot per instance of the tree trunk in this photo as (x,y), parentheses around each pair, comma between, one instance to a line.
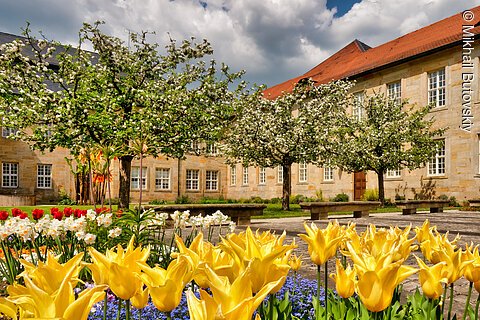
(381,187)
(124,188)
(287,186)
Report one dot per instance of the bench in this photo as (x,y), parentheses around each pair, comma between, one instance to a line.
(320,210)
(474,203)
(411,206)
(240,213)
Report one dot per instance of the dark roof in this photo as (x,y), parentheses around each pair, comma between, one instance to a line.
(358,58)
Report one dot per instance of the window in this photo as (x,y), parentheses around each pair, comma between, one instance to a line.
(195,146)
(394,173)
(44,176)
(192,180)
(436,165)
(436,88)
(233,175)
(212,149)
(327,172)
(358,110)
(262,178)
(302,172)
(280,174)
(8,131)
(245,176)
(162,179)
(211,180)
(394,92)
(135,178)
(10,175)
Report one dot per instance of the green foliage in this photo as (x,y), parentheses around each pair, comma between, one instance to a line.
(370,195)
(183,200)
(341,197)
(64,199)
(157,202)
(452,200)
(422,308)
(276,309)
(297,198)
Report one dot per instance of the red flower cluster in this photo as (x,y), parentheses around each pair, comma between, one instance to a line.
(101,210)
(67,212)
(19,213)
(56,213)
(37,213)
(3,215)
(77,213)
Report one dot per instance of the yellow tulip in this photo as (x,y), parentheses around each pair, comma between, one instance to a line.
(454,264)
(8,308)
(230,301)
(472,269)
(119,269)
(322,244)
(344,280)
(295,262)
(50,274)
(425,232)
(477,286)
(203,253)
(266,256)
(166,286)
(431,278)
(61,304)
(140,299)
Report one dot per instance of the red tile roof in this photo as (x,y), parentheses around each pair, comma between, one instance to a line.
(357,57)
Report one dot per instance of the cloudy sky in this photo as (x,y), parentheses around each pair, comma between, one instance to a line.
(273,40)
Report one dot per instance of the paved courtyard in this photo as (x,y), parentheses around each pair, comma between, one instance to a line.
(464,223)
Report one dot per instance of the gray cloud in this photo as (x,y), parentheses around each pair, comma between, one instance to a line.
(273,40)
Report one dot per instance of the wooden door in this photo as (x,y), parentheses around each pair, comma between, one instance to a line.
(359,185)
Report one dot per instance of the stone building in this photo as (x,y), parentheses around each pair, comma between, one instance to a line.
(437,64)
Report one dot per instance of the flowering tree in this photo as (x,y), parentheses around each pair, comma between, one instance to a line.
(119,96)
(296,127)
(388,137)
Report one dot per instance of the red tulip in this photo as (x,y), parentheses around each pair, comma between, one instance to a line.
(3,215)
(37,213)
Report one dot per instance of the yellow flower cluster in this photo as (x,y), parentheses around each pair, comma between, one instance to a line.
(240,272)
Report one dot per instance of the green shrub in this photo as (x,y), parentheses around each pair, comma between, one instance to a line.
(388,203)
(276,200)
(341,197)
(399,197)
(370,195)
(64,199)
(183,200)
(157,202)
(257,200)
(297,198)
(319,195)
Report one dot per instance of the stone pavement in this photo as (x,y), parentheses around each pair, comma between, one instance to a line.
(464,223)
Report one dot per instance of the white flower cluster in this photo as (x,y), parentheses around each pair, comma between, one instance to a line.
(27,229)
(183,219)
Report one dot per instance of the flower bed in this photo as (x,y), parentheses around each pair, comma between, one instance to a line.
(243,276)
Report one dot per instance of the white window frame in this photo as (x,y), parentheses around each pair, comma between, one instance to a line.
(397,173)
(394,92)
(437,164)
(10,174)
(437,88)
(6,132)
(262,175)
(358,109)
(327,172)
(280,174)
(212,149)
(44,176)
(211,180)
(195,146)
(135,178)
(302,172)
(162,178)
(233,175)
(192,180)
(245,176)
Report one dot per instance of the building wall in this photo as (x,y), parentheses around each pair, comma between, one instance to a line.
(461,178)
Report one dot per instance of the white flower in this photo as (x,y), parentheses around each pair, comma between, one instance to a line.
(90,238)
(91,215)
(115,232)
(231,226)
